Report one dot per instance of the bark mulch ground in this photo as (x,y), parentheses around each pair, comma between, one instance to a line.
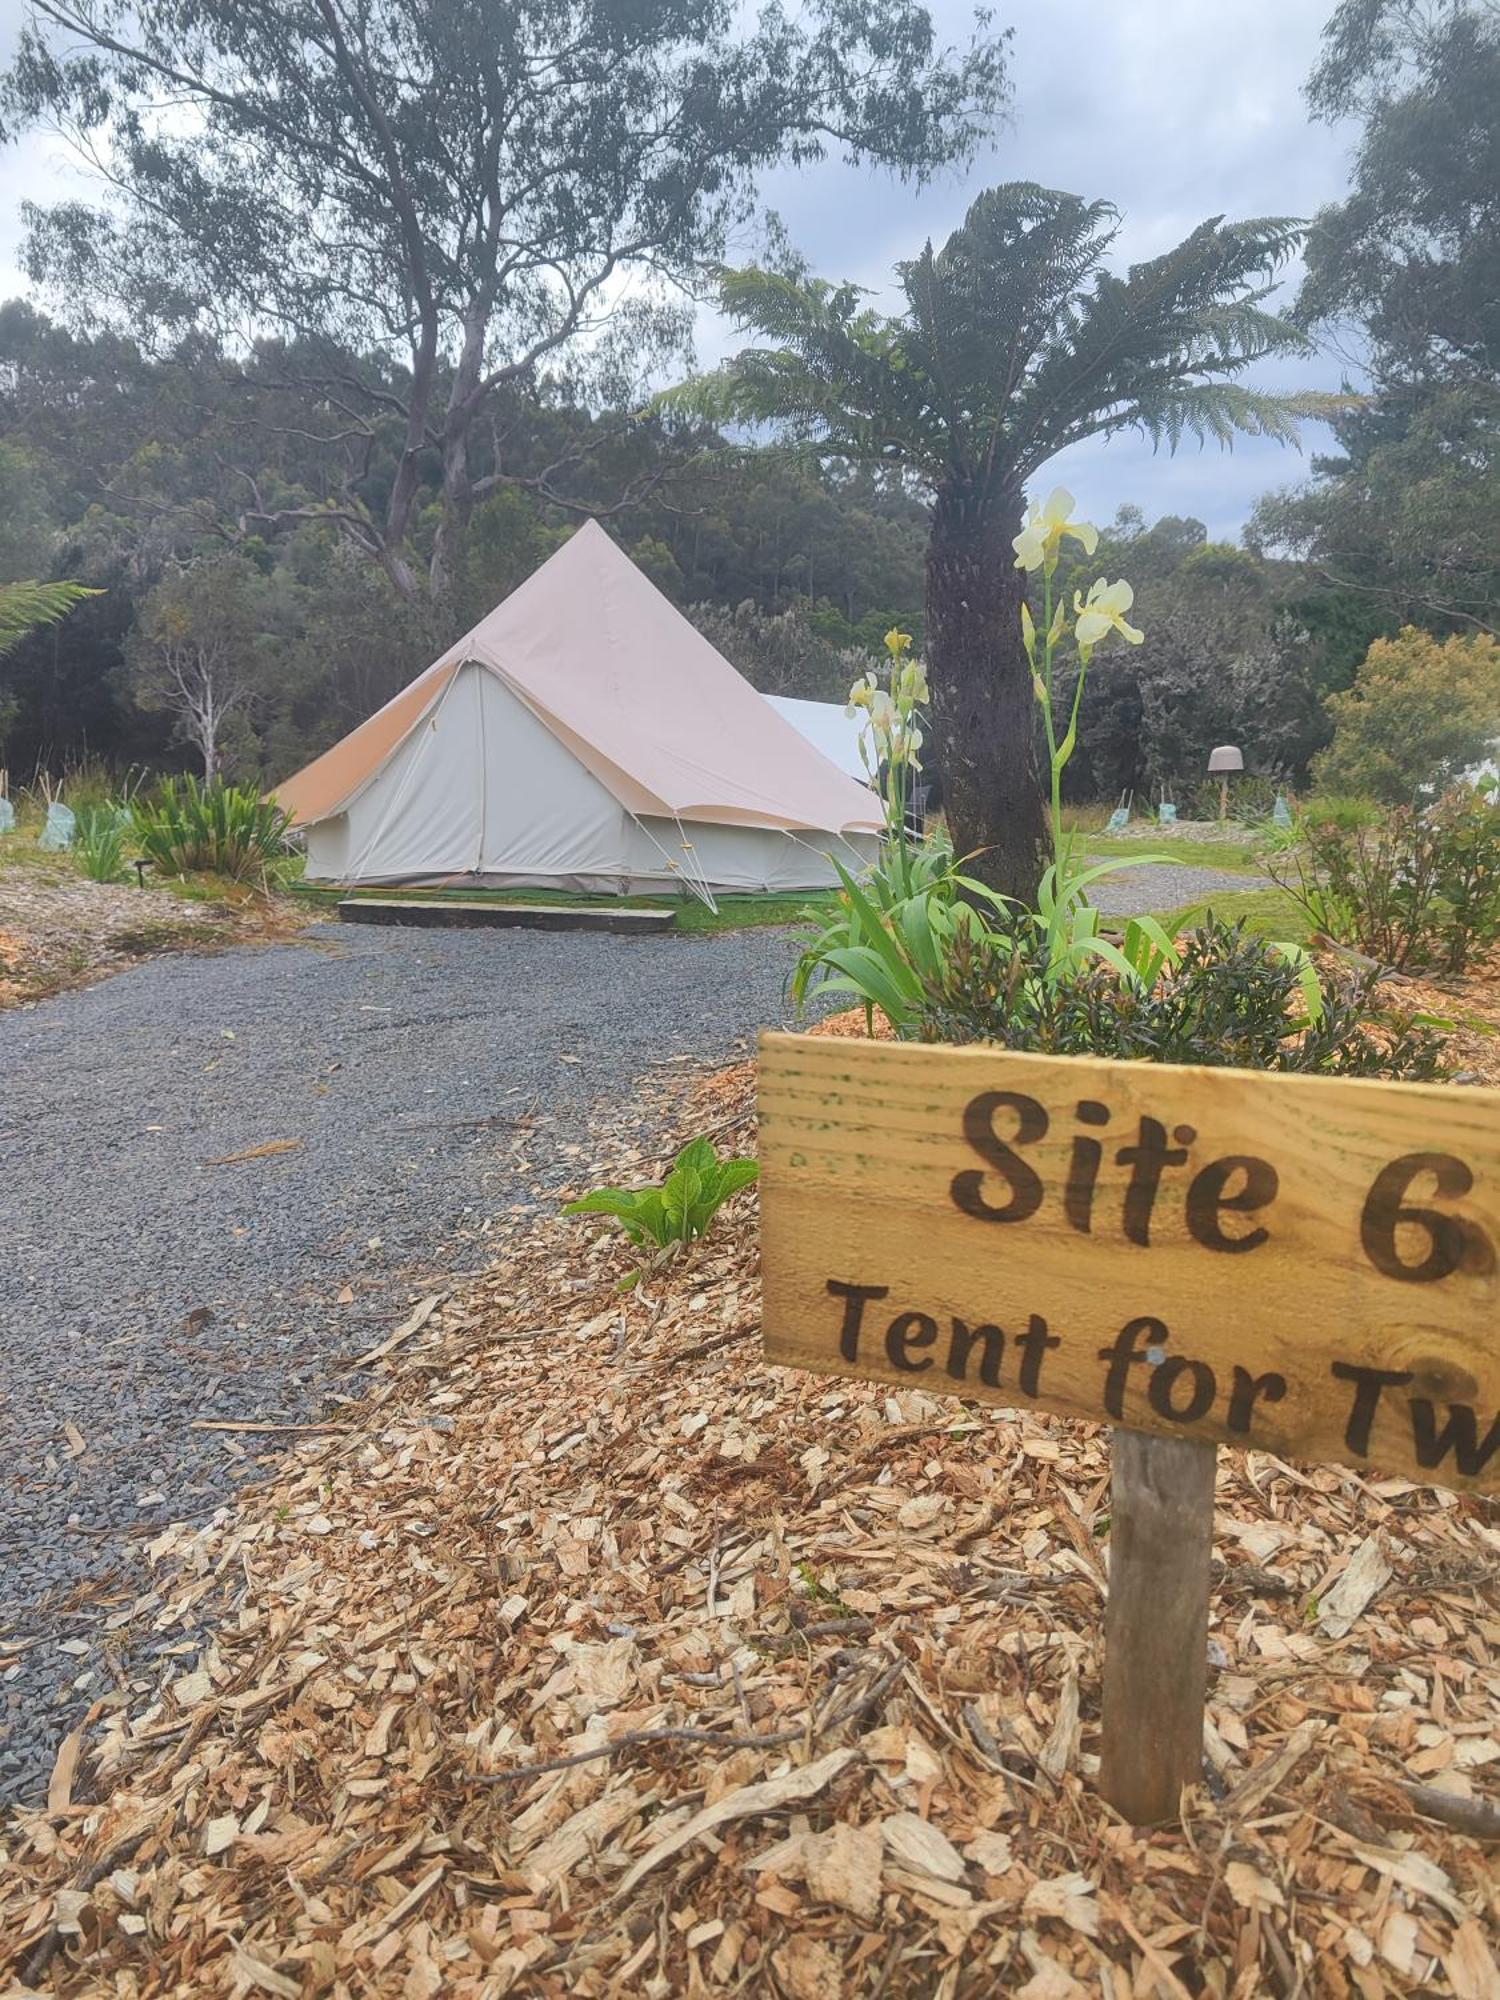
(59,930)
(591,1656)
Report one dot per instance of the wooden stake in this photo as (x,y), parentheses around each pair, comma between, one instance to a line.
(1161,1527)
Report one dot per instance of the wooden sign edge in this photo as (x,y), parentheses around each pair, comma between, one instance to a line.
(1443,1093)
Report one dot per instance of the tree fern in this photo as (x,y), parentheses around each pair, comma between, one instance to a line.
(25,606)
(1014,341)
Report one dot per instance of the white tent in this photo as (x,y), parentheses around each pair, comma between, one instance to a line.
(828,726)
(583,736)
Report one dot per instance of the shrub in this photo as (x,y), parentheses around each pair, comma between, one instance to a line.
(214,828)
(1370,886)
(99,841)
(1229,1000)
(1420,712)
(1252,797)
(1407,888)
(681,1209)
(1465,831)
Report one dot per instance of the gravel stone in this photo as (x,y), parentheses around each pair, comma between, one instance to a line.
(1166,885)
(146,1287)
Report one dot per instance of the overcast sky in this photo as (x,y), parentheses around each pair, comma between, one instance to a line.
(1172,109)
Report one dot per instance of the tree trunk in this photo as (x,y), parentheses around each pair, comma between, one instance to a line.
(464,398)
(983,709)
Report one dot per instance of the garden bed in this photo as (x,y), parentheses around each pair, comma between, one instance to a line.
(59,930)
(593,1656)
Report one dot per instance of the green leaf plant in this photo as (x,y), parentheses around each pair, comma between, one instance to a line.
(897,932)
(667,1218)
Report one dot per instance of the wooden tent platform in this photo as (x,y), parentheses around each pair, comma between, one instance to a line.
(464,914)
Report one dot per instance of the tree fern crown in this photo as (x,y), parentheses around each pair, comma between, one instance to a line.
(1014,342)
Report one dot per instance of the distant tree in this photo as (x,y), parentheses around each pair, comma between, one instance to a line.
(1406,273)
(779,652)
(1014,341)
(459,192)
(1420,712)
(198,650)
(1412,255)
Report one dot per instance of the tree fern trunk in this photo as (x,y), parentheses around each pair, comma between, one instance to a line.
(983,709)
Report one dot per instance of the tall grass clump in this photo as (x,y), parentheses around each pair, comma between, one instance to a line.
(192,827)
(99,842)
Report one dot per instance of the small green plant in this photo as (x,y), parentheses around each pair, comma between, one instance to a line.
(192,827)
(681,1209)
(1252,798)
(99,841)
(888,934)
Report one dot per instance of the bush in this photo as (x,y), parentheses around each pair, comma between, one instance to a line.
(99,841)
(213,828)
(1407,888)
(1421,711)
(1465,831)
(1230,1000)
(681,1209)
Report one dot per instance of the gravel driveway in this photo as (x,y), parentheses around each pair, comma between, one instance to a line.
(403,1064)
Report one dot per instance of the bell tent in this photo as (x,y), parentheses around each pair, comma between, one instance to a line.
(583,736)
(830,728)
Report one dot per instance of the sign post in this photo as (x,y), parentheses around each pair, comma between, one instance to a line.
(1194,1256)
(1161,1537)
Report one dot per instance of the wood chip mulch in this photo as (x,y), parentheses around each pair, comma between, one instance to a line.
(58,930)
(1466,1010)
(594,1657)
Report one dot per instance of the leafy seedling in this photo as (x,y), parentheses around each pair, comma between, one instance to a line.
(667,1218)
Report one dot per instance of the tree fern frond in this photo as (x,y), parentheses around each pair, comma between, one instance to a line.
(1211,411)
(25,606)
(1015,340)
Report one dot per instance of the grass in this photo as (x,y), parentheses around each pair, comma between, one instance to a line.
(734,913)
(1233,856)
(1268,912)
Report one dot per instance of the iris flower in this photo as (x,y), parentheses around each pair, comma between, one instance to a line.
(1039,542)
(1103,612)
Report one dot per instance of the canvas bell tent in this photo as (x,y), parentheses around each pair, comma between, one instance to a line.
(583,736)
(829,727)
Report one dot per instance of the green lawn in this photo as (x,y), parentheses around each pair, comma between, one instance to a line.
(1233,856)
(1269,912)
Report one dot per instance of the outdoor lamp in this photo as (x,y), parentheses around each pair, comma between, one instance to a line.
(1223,760)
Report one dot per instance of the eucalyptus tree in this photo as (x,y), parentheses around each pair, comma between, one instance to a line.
(470,192)
(1014,341)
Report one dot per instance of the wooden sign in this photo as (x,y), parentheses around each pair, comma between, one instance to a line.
(1201,1256)
(1303,1264)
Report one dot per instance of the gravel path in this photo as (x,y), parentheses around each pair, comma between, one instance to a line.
(405,1064)
(1167,885)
